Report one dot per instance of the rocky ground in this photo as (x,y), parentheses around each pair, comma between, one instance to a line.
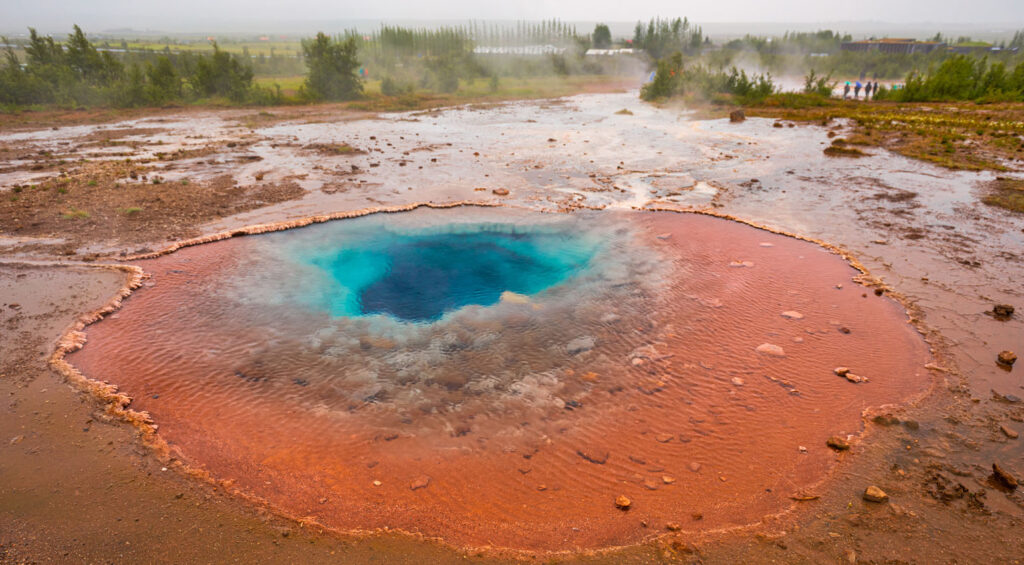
(79,486)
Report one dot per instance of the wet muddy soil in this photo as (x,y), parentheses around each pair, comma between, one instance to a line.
(80,486)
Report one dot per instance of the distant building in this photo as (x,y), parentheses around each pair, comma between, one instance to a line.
(610,52)
(893,45)
(519,50)
(981,49)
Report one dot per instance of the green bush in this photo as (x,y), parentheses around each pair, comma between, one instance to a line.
(674,78)
(332,67)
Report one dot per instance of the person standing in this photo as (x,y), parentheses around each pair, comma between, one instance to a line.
(856,90)
(867,91)
(846,91)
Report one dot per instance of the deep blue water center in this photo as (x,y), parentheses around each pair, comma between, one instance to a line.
(420,275)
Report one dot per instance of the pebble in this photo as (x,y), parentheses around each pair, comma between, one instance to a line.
(579,345)
(622,503)
(673,527)
(1004,477)
(737,381)
(1009,432)
(420,482)
(667,479)
(875,494)
(741,264)
(792,315)
(1007,358)
(664,438)
(664,236)
(837,443)
(594,456)
(771,349)
(500,191)
(841,371)
(855,378)
(695,467)
(1002,311)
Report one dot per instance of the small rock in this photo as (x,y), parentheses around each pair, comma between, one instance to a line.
(664,438)
(837,443)
(579,345)
(855,378)
(792,315)
(673,527)
(771,349)
(500,191)
(599,457)
(875,494)
(844,330)
(1007,358)
(377,483)
(737,381)
(420,482)
(1002,311)
(695,467)
(667,479)
(622,503)
(737,116)
(664,236)
(886,420)
(1004,477)
(1009,432)
(841,371)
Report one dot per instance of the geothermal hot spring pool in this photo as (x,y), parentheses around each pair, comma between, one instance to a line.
(496,378)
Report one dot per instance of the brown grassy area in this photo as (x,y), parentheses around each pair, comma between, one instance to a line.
(1006,193)
(126,203)
(840,148)
(961,135)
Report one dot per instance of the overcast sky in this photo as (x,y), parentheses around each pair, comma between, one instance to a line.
(173,14)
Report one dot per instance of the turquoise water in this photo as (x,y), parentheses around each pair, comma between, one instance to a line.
(421,274)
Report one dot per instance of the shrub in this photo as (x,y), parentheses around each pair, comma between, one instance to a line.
(332,67)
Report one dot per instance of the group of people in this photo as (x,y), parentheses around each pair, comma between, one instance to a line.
(869,88)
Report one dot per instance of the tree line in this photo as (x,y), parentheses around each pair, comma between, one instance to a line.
(77,73)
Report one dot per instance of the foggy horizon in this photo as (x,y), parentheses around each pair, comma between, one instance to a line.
(104,16)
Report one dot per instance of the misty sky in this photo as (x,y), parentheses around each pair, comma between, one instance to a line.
(128,13)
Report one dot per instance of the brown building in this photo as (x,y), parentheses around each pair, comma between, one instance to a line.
(893,45)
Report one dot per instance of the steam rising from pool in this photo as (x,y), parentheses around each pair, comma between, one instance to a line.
(498,377)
